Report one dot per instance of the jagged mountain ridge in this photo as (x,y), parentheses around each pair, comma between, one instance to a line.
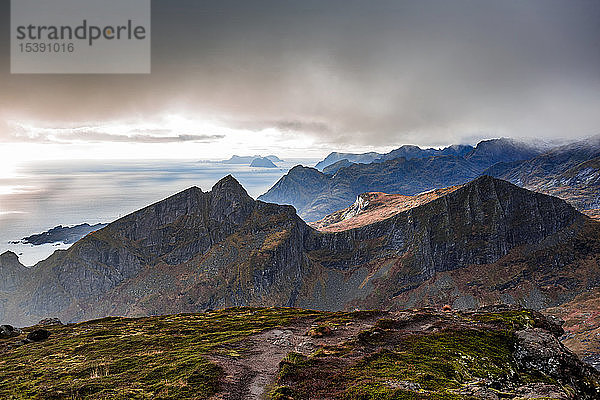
(407,151)
(198,250)
(163,236)
(571,172)
(340,185)
(316,195)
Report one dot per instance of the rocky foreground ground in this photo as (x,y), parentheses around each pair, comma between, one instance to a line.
(287,353)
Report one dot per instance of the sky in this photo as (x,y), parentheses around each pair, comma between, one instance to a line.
(303,78)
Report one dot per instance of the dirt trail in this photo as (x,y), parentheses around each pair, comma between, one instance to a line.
(248,377)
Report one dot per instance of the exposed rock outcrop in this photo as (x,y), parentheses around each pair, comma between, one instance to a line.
(8,331)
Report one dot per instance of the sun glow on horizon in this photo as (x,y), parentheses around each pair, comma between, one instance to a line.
(167,136)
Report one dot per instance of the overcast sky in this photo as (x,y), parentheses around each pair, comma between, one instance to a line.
(306,77)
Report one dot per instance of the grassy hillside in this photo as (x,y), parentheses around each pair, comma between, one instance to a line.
(287,353)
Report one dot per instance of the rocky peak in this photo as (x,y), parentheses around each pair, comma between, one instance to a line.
(299,169)
(12,272)
(362,202)
(229,186)
(229,201)
(8,257)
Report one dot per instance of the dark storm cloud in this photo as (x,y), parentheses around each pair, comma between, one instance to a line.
(351,72)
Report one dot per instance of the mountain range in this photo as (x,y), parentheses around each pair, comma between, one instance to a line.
(501,223)
(494,150)
(568,171)
(571,172)
(484,242)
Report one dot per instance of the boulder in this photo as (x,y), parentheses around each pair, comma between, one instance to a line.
(38,335)
(50,322)
(8,331)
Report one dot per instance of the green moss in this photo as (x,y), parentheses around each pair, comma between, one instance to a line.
(423,366)
(291,365)
(385,392)
(282,393)
(141,358)
(443,360)
(514,320)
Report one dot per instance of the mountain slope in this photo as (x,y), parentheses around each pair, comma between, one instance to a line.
(582,325)
(198,250)
(298,187)
(406,151)
(12,272)
(410,151)
(482,223)
(571,172)
(374,207)
(335,167)
(147,254)
(490,152)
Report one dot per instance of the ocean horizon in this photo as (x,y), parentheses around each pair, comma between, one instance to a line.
(42,195)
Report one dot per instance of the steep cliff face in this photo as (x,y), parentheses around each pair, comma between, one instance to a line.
(12,276)
(198,250)
(478,224)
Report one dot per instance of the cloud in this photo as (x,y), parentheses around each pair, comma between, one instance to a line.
(345,73)
(139,138)
(17,132)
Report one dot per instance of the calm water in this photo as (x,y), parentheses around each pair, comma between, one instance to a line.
(43,195)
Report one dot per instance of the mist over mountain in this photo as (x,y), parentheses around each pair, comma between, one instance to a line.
(262,162)
(571,172)
(332,158)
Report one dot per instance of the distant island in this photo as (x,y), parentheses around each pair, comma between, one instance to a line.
(263,162)
(60,234)
(248,160)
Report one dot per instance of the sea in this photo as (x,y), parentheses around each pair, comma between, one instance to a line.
(41,195)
